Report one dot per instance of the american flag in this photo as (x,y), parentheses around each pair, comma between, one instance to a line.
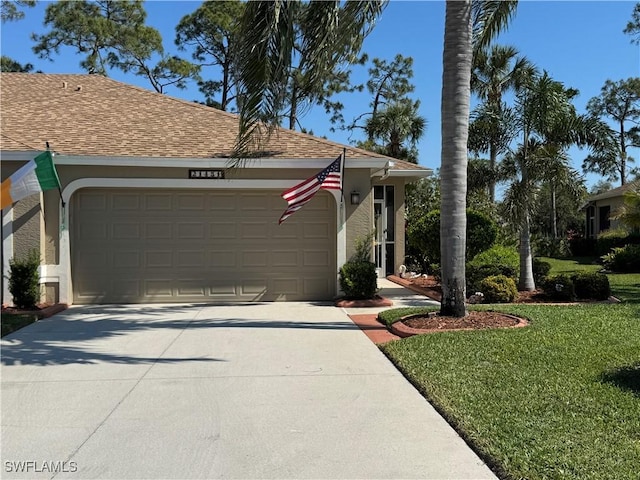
(328,179)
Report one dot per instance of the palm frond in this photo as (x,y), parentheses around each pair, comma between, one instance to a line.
(489,18)
(331,33)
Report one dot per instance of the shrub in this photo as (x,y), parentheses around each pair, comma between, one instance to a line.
(477,273)
(358,279)
(498,255)
(591,286)
(540,270)
(552,247)
(623,259)
(24,280)
(481,233)
(498,260)
(423,234)
(499,289)
(611,239)
(559,287)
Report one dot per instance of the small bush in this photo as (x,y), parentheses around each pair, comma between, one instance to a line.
(591,286)
(540,270)
(559,287)
(552,247)
(477,273)
(499,289)
(358,280)
(623,259)
(611,239)
(498,260)
(24,280)
(498,255)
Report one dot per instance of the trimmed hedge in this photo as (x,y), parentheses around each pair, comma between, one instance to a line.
(560,287)
(591,286)
(24,280)
(579,286)
(499,289)
(358,280)
(498,260)
(540,270)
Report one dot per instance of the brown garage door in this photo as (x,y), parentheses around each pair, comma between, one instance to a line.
(153,245)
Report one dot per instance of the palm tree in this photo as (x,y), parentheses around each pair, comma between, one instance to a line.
(394,125)
(334,33)
(629,212)
(549,124)
(495,72)
(468,25)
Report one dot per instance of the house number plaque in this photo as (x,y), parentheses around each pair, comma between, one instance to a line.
(206,174)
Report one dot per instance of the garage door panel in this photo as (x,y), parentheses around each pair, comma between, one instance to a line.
(254,230)
(129,259)
(158,230)
(125,202)
(200,246)
(223,230)
(191,230)
(154,202)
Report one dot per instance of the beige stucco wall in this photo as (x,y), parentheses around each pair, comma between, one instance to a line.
(37,225)
(615,203)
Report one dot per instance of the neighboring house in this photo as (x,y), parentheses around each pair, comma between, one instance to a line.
(599,209)
(141,224)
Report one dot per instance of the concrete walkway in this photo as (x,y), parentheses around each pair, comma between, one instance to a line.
(273,390)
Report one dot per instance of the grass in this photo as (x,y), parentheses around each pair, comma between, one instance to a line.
(12,322)
(558,399)
(625,286)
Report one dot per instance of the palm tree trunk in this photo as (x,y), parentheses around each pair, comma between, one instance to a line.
(493,155)
(554,212)
(526,282)
(456,88)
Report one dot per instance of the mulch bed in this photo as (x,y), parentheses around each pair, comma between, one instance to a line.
(41,311)
(433,322)
(430,287)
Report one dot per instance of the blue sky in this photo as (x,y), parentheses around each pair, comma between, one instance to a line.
(579,43)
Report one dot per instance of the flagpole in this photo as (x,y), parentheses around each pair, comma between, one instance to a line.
(344,160)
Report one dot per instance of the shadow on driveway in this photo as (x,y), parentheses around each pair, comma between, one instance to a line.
(73,337)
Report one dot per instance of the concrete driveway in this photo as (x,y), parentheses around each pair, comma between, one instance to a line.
(275,390)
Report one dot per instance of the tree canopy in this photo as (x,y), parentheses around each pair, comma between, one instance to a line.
(111,34)
(618,102)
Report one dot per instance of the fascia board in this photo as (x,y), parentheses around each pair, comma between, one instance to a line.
(173,162)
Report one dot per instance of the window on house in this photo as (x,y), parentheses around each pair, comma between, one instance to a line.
(604,213)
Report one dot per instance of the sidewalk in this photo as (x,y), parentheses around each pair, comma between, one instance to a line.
(367,318)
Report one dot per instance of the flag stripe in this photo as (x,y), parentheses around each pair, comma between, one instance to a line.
(297,196)
(35,176)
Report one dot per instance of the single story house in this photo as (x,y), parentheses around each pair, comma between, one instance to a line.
(148,211)
(599,208)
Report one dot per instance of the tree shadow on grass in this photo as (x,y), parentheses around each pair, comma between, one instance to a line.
(625,378)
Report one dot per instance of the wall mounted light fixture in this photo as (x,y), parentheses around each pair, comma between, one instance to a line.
(355,198)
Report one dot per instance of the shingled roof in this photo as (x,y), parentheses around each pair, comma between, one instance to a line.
(92,115)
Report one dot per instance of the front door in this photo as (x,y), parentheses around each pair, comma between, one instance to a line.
(384,225)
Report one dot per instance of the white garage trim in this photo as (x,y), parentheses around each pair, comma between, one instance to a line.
(63,270)
(7,250)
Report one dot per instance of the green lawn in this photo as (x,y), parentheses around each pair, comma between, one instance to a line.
(625,286)
(557,399)
(12,322)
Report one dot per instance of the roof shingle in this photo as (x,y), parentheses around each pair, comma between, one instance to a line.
(92,115)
